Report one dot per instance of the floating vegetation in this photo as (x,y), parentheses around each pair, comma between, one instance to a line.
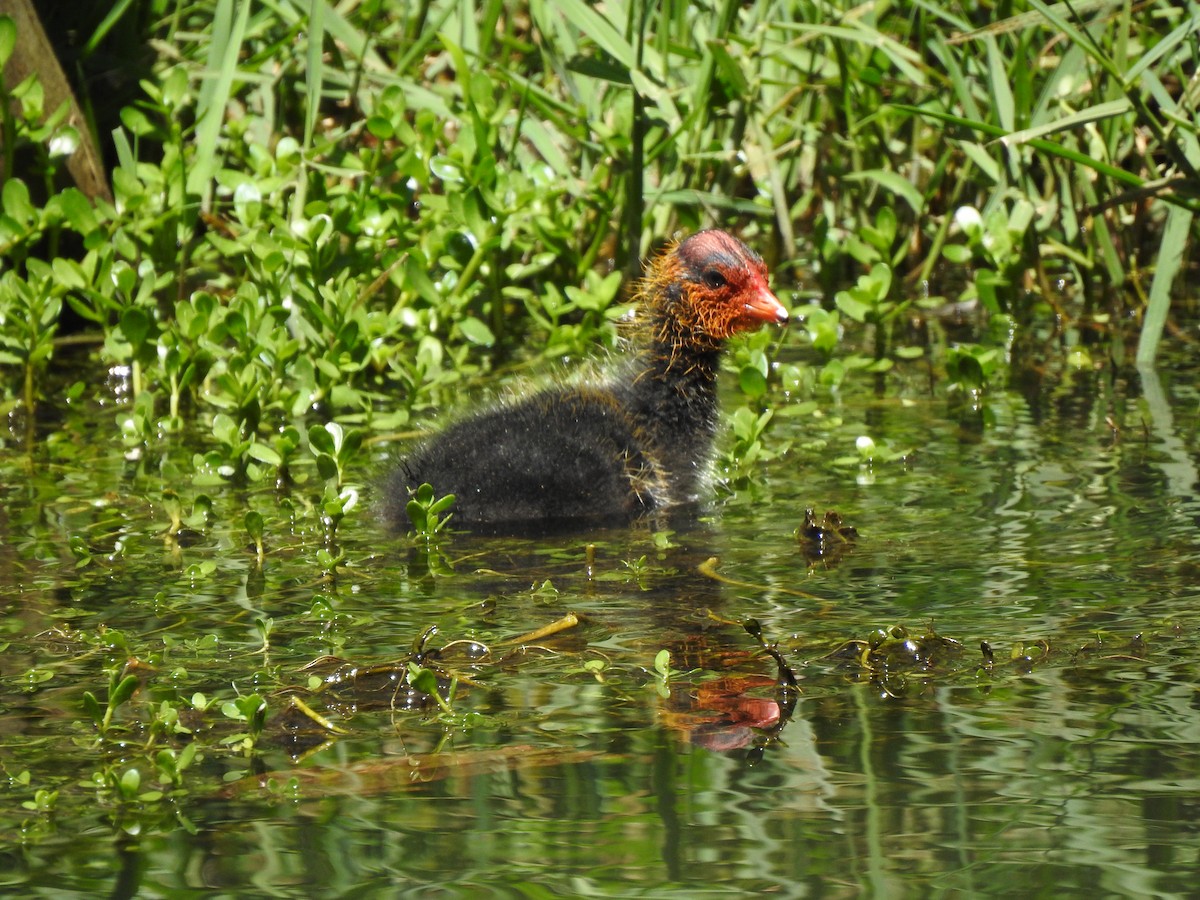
(825,541)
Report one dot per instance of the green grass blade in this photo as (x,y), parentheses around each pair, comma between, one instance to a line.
(1183,146)
(1021,21)
(600,30)
(106,25)
(1181,33)
(1170,261)
(962,87)
(1041,144)
(1083,40)
(939,11)
(1002,95)
(314,74)
(894,183)
(907,60)
(1083,117)
(219,72)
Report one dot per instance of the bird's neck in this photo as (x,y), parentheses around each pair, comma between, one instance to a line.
(673,399)
(682,367)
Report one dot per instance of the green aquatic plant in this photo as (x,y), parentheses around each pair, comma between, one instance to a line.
(664,673)
(254,527)
(34,310)
(425,512)
(250,712)
(995,248)
(749,448)
(335,449)
(974,367)
(120,689)
(426,681)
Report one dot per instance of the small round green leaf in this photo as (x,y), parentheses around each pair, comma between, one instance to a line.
(135,323)
(476,332)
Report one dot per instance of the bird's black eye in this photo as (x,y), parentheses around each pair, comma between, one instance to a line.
(714,279)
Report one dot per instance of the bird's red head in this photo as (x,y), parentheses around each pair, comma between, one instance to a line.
(711,286)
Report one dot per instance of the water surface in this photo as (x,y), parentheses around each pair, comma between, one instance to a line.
(996,683)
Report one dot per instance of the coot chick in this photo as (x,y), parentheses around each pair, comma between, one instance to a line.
(612,451)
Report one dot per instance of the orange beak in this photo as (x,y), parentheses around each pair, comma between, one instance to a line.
(760,305)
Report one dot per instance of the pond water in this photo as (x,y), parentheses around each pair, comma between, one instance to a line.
(995,683)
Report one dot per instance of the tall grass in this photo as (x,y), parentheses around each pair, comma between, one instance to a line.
(798,118)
